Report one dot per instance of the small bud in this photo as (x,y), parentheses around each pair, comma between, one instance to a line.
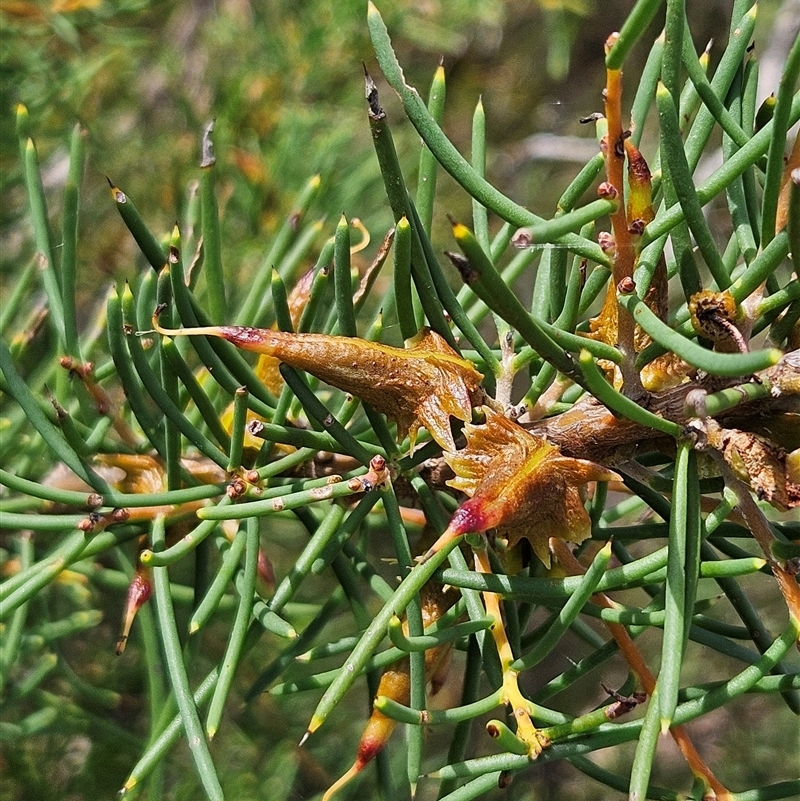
(636,227)
(640,193)
(90,522)
(626,286)
(82,370)
(612,39)
(139,591)
(236,488)
(607,242)
(607,191)
(522,239)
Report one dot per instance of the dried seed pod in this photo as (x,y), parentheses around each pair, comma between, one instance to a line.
(422,385)
(520,485)
(267,367)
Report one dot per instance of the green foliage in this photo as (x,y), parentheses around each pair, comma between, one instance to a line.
(183,469)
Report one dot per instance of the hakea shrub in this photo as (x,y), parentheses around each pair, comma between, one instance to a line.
(658,428)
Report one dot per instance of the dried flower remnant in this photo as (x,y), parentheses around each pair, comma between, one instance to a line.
(664,372)
(395,684)
(519,484)
(715,316)
(133,473)
(136,474)
(622,704)
(422,385)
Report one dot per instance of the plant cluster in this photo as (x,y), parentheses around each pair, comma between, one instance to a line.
(437,487)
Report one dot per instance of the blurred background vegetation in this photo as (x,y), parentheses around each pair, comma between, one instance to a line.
(283,80)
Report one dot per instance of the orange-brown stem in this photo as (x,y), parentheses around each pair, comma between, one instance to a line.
(792,163)
(624,254)
(762,533)
(615,168)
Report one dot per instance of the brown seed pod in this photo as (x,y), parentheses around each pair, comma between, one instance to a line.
(519,484)
(421,385)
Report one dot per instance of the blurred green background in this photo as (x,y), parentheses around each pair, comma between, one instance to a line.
(284,82)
